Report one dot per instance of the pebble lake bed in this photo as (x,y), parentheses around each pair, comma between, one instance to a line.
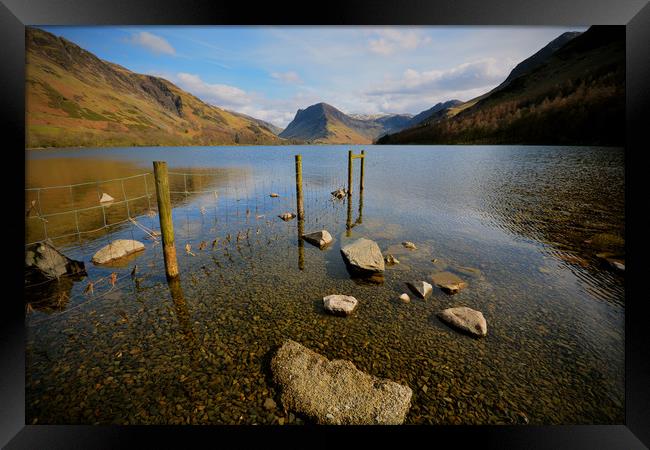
(526,240)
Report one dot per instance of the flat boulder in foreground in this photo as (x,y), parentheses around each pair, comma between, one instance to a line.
(465,319)
(336,392)
(116,250)
(364,255)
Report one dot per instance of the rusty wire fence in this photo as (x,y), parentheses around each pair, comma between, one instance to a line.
(206,204)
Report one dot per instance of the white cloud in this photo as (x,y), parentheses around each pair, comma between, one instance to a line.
(277,112)
(287,77)
(471,75)
(274,116)
(221,95)
(390,40)
(152,42)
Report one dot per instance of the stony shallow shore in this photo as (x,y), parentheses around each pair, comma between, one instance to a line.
(200,351)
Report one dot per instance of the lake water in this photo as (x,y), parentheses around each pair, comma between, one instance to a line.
(512,221)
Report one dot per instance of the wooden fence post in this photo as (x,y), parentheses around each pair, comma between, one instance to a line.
(165,213)
(299,199)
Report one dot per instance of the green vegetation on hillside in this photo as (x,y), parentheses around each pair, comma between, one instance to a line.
(75,99)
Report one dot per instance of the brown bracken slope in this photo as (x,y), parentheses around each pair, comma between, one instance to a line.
(75,99)
(573,96)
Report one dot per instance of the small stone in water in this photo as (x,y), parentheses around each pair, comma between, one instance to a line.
(405,298)
(616,264)
(269,404)
(339,193)
(420,288)
(340,305)
(105,198)
(409,244)
(273,194)
(391,260)
(448,282)
(466,319)
(319,238)
(287,216)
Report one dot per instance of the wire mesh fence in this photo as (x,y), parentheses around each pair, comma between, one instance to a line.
(213,210)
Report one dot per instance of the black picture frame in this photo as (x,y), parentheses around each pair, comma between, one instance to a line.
(16,14)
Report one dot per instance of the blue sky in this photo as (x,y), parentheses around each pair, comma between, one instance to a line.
(271,72)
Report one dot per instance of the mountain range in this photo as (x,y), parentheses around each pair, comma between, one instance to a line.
(76,99)
(322,123)
(572,91)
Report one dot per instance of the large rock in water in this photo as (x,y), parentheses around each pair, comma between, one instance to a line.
(466,319)
(320,239)
(116,250)
(336,392)
(364,255)
(340,305)
(43,261)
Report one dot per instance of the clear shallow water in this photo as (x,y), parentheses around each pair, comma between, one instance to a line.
(198,352)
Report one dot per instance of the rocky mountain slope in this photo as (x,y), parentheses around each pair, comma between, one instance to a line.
(324,124)
(74,98)
(571,92)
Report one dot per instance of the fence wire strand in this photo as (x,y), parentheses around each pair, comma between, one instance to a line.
(240,211)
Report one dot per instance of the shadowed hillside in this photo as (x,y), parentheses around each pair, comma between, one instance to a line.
(573,94)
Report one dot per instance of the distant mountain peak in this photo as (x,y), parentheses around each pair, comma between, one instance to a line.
(324,123)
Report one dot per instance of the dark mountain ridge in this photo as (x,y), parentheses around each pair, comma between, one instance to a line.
(573,95)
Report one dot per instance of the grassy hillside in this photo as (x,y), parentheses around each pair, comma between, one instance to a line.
(577,96)
(74,98)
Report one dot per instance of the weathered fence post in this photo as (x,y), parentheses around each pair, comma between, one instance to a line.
(363,160)
(165,213)
(301,213)
(299,200)
(349,173)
